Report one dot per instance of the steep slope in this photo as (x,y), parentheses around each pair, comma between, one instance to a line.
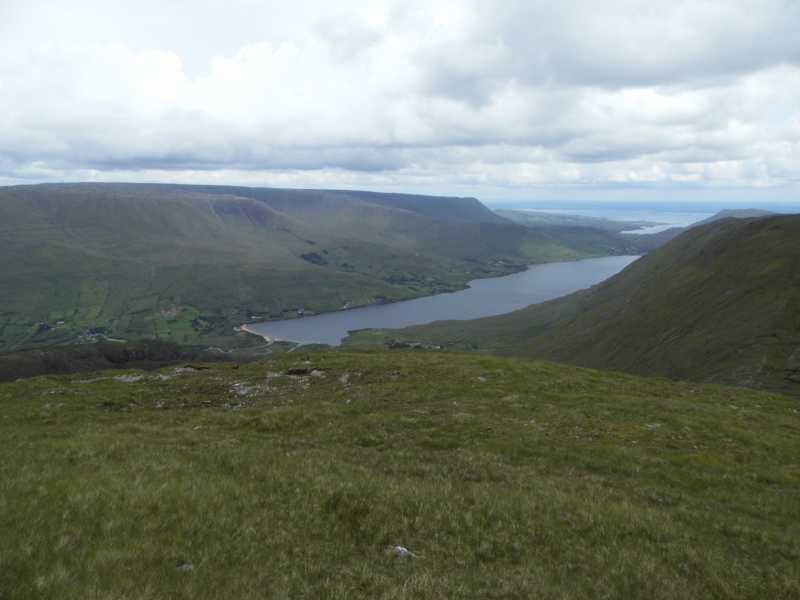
(189,262)
(720,302)
(438,207)
(318,204)
(504,478)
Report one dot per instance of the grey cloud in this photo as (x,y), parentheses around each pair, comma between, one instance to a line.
(623,43)
(494,95)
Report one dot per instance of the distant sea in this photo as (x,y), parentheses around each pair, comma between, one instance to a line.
(667,219)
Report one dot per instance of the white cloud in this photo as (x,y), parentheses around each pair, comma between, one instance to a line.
(494,98)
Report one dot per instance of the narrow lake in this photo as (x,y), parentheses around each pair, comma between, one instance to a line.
(483,298)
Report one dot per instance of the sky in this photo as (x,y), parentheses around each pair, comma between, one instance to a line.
(508,101)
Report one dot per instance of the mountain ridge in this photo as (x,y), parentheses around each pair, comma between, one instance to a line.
(737,213)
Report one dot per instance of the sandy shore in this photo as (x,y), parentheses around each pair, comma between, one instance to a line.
(266,338)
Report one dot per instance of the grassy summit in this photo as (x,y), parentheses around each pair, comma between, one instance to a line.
(506,479)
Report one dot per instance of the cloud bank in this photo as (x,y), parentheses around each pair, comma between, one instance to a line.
(508,99)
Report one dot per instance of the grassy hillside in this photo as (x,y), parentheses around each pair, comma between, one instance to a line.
(719,303)
(505,478)
(188,263)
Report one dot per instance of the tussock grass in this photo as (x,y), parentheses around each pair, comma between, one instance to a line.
(507,479)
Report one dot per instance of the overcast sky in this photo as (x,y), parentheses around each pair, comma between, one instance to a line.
(503,100)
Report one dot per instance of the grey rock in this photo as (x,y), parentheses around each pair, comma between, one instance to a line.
(400,552)
(298,371)
(129,378)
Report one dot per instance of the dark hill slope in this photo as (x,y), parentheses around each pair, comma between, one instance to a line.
(719,303)
(189,262)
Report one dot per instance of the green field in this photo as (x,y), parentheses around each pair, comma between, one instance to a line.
(505,478)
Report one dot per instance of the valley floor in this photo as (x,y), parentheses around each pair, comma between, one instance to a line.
(295,478)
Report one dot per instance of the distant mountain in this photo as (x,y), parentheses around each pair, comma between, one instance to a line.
(545,219)
(593,234)
(736,213)
(94,260)
(719,303)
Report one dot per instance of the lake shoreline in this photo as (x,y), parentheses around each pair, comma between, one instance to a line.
(265,337)
(465,286)
(485,296)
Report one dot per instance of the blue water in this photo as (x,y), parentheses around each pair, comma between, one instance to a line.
(483,298)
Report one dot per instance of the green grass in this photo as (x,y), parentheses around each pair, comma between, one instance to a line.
(508,479)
